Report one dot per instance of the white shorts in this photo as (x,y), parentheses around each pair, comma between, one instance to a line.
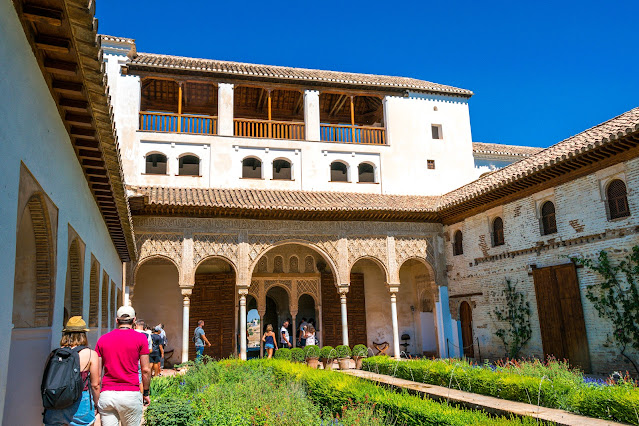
(120,407)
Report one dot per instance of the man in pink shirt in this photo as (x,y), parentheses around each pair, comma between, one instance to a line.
(120,351)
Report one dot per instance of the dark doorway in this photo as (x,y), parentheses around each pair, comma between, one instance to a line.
(561,317)
(213,300)
(466,317)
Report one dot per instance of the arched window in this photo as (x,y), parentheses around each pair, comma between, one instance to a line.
(458,245)
(309,264)
(293,265)
(189,165)
(339,172)
(617,199)
(94,294)
(251,168)
(155,164)
(548,221)
(282,170)
(366,172)
(278,265)
(105,301)
(498,232)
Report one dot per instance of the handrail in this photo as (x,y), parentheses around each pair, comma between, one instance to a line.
(253,128)
(178,123)
(345,133)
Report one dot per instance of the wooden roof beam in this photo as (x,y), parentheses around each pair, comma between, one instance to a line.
(42,15)
(67,87)
(52,43)
(60,67)
(338,104)
(74,104)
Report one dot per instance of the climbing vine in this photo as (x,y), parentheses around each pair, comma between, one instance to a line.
(516,316)
(616,298)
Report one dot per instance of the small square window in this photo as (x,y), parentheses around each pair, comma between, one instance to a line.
(437,131)
(430,164)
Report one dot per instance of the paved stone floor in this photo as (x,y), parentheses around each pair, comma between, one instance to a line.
(482,402)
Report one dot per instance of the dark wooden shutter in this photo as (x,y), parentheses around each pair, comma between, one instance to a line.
(332,313)
(561,318)
(213,300)
(466,316)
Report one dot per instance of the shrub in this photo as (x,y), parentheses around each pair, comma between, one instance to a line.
(297,355)
(327,352)
(312,351)
(360,350)
(553,384)
(283,353)
(170,411)
(343,351)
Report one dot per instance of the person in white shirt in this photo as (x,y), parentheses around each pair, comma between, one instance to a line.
(301,340)
(310,335)
(284,336)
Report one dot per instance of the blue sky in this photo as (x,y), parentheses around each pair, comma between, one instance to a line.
(541,71)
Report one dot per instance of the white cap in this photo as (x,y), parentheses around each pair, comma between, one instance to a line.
(126,311)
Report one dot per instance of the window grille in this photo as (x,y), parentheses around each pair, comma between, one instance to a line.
(617,199)
(548,221)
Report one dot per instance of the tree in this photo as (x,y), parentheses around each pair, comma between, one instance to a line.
(616,298)
(516,316)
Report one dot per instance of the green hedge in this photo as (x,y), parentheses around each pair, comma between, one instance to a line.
(297,355)
(617,403)
(283,353)
(334,391)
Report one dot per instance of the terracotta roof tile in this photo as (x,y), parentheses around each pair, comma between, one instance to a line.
(168,62)
(596,136)
(506,150)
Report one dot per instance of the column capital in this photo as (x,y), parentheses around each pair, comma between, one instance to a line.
(392,288)
(242,291)
(186,291)
(342,290)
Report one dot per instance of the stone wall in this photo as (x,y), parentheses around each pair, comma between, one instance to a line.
(583,229)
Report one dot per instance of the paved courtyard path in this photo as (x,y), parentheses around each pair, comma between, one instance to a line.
(487,403)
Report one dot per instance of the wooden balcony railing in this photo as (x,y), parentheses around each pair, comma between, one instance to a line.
(178,123)
(353,134)
(250,128)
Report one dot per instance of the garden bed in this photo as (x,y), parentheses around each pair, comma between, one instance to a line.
(278,392)
(551,384)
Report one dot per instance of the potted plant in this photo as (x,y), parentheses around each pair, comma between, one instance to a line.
(327,353)
(283,353)
(359,352)
(343,356)
(297,355)
(312,353)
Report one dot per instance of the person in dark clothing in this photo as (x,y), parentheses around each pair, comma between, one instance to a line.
(157,351)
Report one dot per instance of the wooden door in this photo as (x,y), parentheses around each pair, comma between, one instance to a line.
(213,300)
(561,317)
(332,312)
(466,316)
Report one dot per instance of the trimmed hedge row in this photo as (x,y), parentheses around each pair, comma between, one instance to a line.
(617,403)
(334,390)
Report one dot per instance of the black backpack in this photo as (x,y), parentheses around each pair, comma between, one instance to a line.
(62,379)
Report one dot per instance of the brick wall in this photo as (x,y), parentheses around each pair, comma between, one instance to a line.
(583,229)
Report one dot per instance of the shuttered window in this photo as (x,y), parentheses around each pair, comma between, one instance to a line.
(498,232)
(617,199)
(458,246)
(548,222)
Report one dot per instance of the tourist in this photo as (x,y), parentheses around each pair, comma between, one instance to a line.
(83,411)
(269,341)
(157,351)
(310,335)
(120,351)
(199,338)
(140,327)
(301,340)
(164,343)
(284,336)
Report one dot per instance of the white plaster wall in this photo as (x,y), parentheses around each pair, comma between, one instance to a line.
(157,299)
(400,166)
(32,132)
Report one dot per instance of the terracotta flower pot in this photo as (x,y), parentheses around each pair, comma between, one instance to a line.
(344,363)
(312,362)
(358,362)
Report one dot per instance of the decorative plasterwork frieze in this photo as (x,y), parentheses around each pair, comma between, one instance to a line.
(367,246)
(410,247)
(160,244)
(224,245)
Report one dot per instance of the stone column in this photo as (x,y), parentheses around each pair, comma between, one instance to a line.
(342,295)
(186,304)
(294,322)
(311,115)
(243,292)
(393,289)
(225,109)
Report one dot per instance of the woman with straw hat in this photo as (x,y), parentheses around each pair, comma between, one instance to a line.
(83,411)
